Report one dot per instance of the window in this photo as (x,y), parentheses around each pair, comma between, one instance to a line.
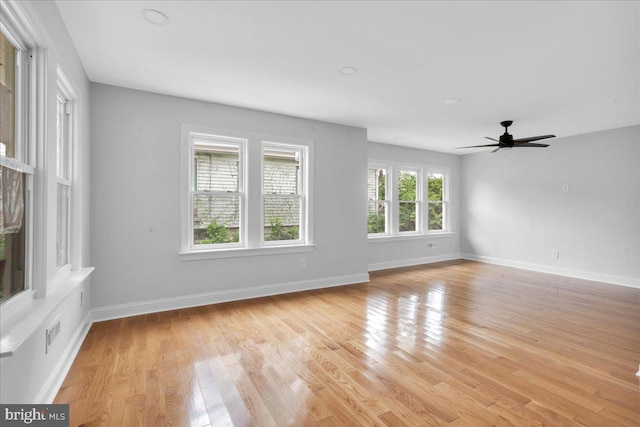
(437,204)
(378,204)
(282,192)
(244,194)
(401,204)
(217,191)
(408,200)
(16,178)
(63,174)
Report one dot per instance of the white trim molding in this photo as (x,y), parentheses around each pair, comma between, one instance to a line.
(175,303)
(413,261)
(630,282)
(51,387)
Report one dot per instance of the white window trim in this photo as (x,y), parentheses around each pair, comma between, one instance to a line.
(418,201)
(393,233)
(302,229)
(253,214)
(66,89)
(29,83)
(388,201)
(446,217)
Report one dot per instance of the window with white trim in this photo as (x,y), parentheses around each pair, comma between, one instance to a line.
(437,201)
(246,194)
(64,126)
(17,176)
(283,192)
(408,200)
(377,200)
(217,191)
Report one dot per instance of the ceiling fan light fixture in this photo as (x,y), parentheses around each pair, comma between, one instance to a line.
(155,17)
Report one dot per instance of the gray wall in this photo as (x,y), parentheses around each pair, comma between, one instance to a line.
(387,253)
(515,209)
(136,212)
(30,375)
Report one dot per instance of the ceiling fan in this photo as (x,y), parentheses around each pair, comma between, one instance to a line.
(507,141)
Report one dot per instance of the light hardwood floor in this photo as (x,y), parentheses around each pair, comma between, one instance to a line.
(455,344)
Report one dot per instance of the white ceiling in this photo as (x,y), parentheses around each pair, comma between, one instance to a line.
(552,67)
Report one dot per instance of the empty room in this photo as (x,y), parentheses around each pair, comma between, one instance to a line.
(320,213)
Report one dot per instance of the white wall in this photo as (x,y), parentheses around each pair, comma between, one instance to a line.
(388,253)
(30,375)
(515,212)
(136,212)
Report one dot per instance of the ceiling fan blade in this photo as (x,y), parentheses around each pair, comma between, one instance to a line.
(477,146)
(493,139)
(493,151)
(532,138)
(531,145)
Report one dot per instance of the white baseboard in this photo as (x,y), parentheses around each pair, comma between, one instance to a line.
(560,271)
(165,304)
(54,382)
(413,261)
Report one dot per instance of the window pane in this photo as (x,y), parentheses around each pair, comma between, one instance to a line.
(408,216)
(281,218)
(376,184)
(216,167)
(12,235)
(435,185)
(62,140)
(407,184)
(62,230)
(7,97)
(435,216)
(216,219)
(376,223)
(281,171)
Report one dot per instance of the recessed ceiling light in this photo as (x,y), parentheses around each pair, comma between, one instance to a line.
(155,17)
(348,71)
(452,101)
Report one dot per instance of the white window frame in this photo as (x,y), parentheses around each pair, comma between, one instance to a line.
(301,195)
(252,215)
(393,214)
(387,201)
(24,161)
(446,183)
(418,201)
(67,95)
(241,145)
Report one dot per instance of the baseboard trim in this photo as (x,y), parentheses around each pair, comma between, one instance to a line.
(413,261)
(166,304)
(630,282)
(54,382)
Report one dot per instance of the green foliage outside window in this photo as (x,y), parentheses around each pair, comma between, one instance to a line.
(218,233)
(407,192)
(278,231)
(375,223)
(435,187)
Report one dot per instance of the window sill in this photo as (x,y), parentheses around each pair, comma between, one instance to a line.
(432,235)
(244,252)
(19,326)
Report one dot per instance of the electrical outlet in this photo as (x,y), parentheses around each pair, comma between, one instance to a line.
(565,188)
(81,299)
(555,254)
(51,333)
(303,264)
(432,245)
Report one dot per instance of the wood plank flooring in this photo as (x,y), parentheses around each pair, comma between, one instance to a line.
(450,344)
